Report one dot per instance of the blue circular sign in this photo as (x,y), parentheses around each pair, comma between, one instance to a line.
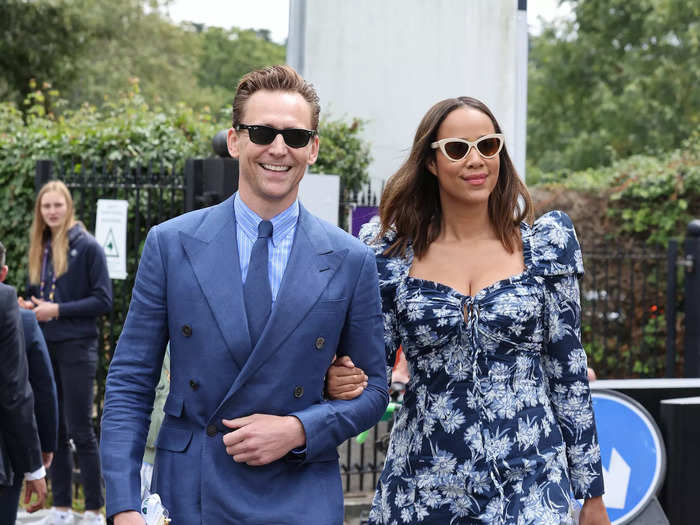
(633,454)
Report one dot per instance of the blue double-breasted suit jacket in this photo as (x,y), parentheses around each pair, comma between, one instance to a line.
(188,290)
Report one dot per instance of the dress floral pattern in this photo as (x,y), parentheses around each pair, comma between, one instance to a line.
(497,423)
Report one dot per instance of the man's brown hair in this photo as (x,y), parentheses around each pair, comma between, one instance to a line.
(275,78)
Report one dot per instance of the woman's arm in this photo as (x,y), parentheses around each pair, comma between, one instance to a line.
(566,369)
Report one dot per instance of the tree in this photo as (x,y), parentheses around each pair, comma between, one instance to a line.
(343,152)
(619,79)
(40,41)
(129,40)
(228,54)
(94,50)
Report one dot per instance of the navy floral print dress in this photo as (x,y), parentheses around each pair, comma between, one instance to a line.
(497,425)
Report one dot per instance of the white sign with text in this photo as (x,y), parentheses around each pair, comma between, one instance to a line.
(110,232)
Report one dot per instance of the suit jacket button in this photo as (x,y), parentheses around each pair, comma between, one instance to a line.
(193,384)
(320,342)
(211,430)
(298,391)
(186,330)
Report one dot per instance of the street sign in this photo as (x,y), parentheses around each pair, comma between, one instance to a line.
(110,232)
(633,454)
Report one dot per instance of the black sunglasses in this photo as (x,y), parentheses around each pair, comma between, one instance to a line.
(264,135)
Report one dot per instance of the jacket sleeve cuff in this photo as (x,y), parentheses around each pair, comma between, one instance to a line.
(37,474)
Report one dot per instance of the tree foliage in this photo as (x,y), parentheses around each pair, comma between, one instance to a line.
(228,54)
(344,152)
(620,79)
(40,41)
(92,49)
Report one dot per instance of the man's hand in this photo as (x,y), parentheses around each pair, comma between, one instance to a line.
(344,380)
(44,310)
(593,512)
(38,487)
(46,459)
(27,305)
(260,439)
(129,517)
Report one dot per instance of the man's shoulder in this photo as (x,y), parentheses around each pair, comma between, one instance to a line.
(7,293)
(189,222)
(338,238)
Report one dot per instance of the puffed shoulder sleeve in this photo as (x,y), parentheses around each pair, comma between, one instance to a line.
(555,248)
(391,271)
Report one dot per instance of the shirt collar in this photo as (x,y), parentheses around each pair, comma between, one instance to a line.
(282,223)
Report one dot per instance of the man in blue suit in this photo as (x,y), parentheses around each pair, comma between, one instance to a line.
(45,402)
(256,296)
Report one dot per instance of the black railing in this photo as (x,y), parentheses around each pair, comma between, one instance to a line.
(626,312)
(154,192)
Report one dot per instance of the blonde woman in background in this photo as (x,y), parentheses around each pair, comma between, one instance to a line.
(69,287)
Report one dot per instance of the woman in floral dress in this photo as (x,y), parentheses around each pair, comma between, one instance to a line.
(497,423)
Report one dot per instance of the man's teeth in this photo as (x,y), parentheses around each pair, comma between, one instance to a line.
(274,167)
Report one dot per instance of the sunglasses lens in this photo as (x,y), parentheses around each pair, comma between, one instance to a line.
(261,134)
(489,147)
(456,150)
(296,138)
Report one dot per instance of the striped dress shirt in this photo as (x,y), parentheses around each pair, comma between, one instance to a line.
(279,246)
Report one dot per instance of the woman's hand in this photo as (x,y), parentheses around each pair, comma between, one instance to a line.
(593,512)
(344,380)
(44,310)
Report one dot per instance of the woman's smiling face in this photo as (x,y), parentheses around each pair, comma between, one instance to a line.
(471,179)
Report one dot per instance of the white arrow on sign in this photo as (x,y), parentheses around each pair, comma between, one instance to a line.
(616,479)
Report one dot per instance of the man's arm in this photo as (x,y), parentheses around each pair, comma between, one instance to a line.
(42,381)
(16,398)
(317,430)
(133,373)
(328,424)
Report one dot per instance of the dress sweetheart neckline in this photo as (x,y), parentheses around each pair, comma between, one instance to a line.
(483,291)
(525,233)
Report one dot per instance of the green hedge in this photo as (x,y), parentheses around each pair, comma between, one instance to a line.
(645,198)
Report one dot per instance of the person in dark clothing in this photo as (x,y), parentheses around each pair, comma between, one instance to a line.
(20,452)
(45,404)
(69,287)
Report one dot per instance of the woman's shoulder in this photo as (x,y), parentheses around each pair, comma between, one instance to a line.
(82,240)
(555,247)
(369,234)
(391,268)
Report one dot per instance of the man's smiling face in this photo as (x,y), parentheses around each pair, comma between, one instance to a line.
(269,174)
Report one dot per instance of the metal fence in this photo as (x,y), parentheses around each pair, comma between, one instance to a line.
(154,193)
(629,307)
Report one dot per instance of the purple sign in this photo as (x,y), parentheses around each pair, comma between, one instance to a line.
(362,215)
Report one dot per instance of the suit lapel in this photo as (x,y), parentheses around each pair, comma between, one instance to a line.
(213,254)
(312,263)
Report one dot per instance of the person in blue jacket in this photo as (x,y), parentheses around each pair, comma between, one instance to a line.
(69,287)
(255,295)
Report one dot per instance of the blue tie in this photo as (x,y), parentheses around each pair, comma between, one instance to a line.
(256,290)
